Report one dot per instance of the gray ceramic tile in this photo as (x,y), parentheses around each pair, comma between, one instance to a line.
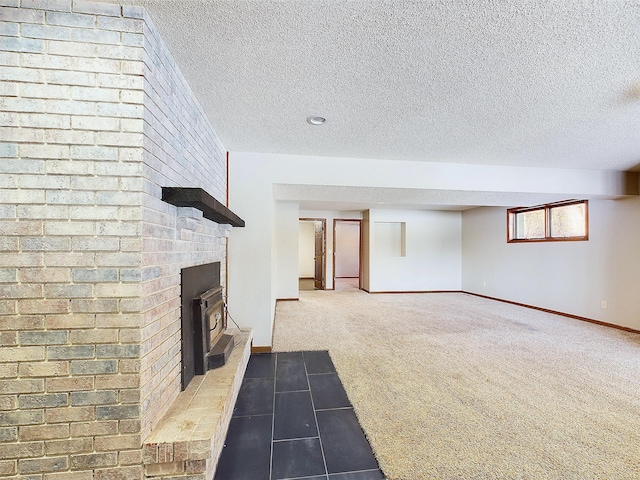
(294,417)
(250,453)
(346,449)
(290,372)
(327,391)
(255,397)
(318,362)
(247,451)
(367,475)
(297,458)
(261,366)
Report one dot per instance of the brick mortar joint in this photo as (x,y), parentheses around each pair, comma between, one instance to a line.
(80,8)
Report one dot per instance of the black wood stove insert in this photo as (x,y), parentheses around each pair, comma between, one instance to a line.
(204,342)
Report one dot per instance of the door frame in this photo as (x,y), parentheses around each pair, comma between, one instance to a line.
(324,246)
(359,222)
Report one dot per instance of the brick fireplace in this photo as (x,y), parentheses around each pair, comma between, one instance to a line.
(203,321)
(97,118)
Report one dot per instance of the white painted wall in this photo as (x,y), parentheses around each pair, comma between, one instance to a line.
(253,275)
(286,247)
(569,277)
(251,287)
(307,249)
(432,259)
(347,249)
(390,239)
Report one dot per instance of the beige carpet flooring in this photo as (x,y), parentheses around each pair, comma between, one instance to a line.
(452,386)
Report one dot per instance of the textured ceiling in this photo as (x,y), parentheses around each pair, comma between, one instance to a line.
(537,83)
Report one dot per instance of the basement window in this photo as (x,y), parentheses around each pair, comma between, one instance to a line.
(552,222)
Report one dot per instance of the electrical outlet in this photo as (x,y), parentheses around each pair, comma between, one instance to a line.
(604,304)
(484,284)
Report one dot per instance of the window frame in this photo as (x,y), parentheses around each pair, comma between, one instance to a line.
(547,207)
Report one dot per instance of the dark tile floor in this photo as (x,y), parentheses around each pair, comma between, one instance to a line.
(293,420)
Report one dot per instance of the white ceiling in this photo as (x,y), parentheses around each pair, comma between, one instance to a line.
(536,83)
(540,83)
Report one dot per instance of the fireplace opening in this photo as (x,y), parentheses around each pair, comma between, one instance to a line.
(204,342)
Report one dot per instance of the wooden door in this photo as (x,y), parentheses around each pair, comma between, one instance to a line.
(318,278)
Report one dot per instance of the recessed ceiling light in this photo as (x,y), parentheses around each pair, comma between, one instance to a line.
(634,92)
(316,120)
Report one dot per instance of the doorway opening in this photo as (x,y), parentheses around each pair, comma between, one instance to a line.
(347,254)
(312,248)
